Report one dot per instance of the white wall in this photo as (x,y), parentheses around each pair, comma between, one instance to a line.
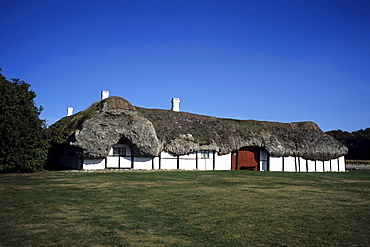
(276,163)
(168,161)
(93,164)
(327,165)
(342,164)
(223,162)
(144,163)
(289,164)
(319,166)
(311,165)
(117,161)
(301,164)
(156,163)
(205,164)
(188,162)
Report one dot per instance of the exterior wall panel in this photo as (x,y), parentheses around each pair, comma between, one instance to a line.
(212,162)
(118,161)
(319,166)
(144,163)
(327,165)
(223,162)
(311,165)
(188,162)
(289,164)
(342,164)
(94,164)
(168,161)
(276,163)
(302,164)
(156,163)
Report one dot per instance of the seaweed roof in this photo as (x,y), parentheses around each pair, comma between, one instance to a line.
(183,132)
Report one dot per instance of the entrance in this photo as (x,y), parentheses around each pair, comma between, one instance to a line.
(245,159)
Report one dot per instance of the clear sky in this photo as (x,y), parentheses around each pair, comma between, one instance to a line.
(273,60)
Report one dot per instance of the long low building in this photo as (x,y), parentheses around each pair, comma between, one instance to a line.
(113,134)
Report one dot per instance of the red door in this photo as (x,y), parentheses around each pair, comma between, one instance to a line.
(245,159)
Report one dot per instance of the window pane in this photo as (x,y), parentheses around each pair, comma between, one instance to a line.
(119,151)
(122,151)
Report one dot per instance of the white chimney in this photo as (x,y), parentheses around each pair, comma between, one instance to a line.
(175,104)
(104,94)
(69,111)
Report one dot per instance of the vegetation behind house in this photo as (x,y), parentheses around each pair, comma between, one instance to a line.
(357,142)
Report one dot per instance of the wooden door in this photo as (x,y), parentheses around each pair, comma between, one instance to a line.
(245,159)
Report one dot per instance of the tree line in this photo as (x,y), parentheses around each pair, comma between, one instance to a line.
(357,142)
(25,138)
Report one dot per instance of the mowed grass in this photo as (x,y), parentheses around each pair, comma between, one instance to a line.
(185,208)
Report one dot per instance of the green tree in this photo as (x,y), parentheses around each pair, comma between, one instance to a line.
(357,142)
(23,142)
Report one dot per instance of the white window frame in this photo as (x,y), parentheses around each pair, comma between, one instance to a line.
(119,151)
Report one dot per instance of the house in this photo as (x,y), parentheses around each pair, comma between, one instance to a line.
(112,133)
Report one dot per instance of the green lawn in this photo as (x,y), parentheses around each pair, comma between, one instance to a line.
(185,208)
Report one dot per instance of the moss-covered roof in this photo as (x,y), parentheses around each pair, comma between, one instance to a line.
(183,133)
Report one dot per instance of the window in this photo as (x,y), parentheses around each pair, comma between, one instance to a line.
(119,151)
(204,154)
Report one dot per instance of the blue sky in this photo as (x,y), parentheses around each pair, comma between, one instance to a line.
(273,60)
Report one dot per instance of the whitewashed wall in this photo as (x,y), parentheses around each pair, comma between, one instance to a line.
(301,164)
(276,163)
(311,165)
(168,161)
(326,166)
(319,166)
(342,164)
(196,161)
(156,163)
(289,164)
(205,164)
(93,164)
(119,162)
(223,162)
(188,162)
(292,164)
(144,163)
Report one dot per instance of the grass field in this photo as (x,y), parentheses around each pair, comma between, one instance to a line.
(185,208)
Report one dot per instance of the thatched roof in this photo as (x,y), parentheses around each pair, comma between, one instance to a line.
(150,131)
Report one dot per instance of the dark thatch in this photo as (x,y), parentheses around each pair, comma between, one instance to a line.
(182,131)
(150,131)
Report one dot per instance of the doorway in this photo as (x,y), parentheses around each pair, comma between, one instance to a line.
(246,158)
